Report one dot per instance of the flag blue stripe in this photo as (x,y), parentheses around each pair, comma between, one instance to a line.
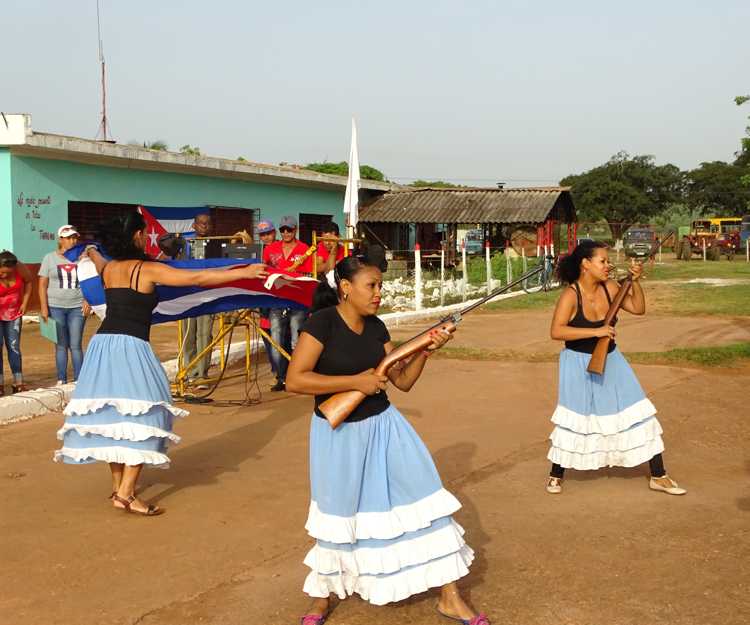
(176,212)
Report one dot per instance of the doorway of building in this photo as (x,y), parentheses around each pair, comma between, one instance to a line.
(309,223)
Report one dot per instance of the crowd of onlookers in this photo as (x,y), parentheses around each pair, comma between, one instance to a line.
(61,300)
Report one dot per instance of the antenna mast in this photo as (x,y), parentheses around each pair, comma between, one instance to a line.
(103,126)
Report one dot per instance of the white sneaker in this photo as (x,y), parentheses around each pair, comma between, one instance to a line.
(554,485)
(666,485)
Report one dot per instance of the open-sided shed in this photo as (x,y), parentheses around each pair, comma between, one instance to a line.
(527,217)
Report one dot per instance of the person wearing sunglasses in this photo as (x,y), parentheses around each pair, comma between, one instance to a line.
(290,254)
(60,297)
(15,291)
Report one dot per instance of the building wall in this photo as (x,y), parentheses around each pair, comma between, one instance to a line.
(6,194)
(40,190)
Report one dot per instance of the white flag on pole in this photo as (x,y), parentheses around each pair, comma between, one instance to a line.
(351,199)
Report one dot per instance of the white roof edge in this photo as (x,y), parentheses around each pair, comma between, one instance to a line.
(19,136)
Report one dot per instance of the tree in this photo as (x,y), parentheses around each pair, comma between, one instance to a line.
(743,156)
(716,188)
(241,159)
(190,150)
(342,169)
(436,184)
(625,191)
(159,145)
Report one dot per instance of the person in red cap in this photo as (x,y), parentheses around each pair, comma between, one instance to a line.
(267,235)
(289,254)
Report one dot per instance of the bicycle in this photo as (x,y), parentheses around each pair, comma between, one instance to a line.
(544,280)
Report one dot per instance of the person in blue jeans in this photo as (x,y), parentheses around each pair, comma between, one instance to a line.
(61,299)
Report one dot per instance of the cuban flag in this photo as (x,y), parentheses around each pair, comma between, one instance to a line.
(168,220)
(279,290)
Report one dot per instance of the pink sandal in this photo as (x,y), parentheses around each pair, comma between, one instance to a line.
(313,619)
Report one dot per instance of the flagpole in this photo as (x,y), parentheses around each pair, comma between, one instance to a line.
(351,197)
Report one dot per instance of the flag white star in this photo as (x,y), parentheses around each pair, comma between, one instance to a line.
(152,238)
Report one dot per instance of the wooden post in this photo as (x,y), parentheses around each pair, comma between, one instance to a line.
(747,250)
(488,265)
(417,277)
(703,241)
(442,275)
(508,267)
(464,269)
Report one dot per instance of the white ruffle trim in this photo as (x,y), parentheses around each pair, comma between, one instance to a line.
(395,587)
(636,436)
(390,558)
(121,455)
(604,424)
(383,525)
(119,431)
(124,406)
(600,459)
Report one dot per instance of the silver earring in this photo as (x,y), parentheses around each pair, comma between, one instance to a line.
(346,296)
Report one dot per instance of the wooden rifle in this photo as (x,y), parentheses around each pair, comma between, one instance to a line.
(598,360)
(340,405)
(310,251)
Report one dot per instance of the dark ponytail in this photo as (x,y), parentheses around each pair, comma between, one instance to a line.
(325,295)
(116,236)
(569,268)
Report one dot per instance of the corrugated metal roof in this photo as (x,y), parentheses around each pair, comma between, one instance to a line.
(428,205)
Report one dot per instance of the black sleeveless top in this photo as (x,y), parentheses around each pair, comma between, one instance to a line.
(128,310)
(586,346)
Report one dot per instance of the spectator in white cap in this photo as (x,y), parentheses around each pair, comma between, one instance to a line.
(289,254)
(60,298)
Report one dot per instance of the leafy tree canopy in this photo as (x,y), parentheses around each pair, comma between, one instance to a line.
(716,188)
(190,150)
(625,191)
(437,184)
(342,169)
(159,145)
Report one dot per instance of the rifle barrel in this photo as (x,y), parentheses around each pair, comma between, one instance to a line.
(501,290)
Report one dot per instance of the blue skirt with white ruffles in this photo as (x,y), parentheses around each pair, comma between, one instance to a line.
(121,409)
(379,513)
(602,420)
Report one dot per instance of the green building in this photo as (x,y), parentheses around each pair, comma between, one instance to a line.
(47,180)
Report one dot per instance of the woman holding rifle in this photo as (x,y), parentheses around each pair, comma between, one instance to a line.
(600,420)
(379,513)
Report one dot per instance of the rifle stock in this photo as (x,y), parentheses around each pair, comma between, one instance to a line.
(339,406)
(599,357)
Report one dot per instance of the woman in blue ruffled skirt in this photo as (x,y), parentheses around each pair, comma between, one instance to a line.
(600,420)
(121,411)
(379,513)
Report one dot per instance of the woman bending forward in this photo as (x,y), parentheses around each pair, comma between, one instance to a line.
(121,411)
(600,420)
(379,513)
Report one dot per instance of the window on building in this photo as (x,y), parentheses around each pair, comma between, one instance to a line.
(230,219)
(309,223)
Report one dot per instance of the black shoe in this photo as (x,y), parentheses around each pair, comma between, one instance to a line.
(279,386)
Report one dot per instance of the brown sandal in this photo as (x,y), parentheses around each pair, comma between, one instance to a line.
(152,510)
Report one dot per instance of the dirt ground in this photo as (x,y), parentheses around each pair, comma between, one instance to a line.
(229,550)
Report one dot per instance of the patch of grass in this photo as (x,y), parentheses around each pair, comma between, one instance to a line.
(703,299)
(733,355)
(537,301)
(505,355)
(682,270)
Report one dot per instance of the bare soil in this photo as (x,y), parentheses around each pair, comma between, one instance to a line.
(229,550)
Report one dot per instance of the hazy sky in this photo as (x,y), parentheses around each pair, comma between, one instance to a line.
(473,91)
